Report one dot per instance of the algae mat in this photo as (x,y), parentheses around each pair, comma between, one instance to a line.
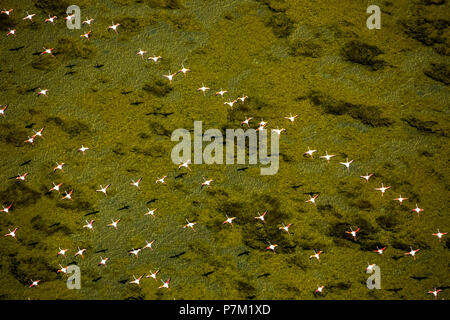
(378,97)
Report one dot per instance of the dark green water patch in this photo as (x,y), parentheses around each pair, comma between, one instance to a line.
(72,127)
(245,288)
(132,25)
(431,33)
(159,129)
(387,222)
(297,259)
(349,191)
(433,2)
(367,229)
(12,134)
(231,208)
(58,7)
(248,47)
(257,103)
(75,205)
(31,267)
(201,248)
(8,22)
(328,209)
(368,245)
(405,244)
(275,5)
(447,243)
(166,4)
(144,136)
(339,286)
(157,87)
(70,48)
(180,21)
(257,236)
(339,230)
(363,204)
(217,193)
(430,126)
(37,223)
(186,22)
(369,115)
(118,149)
(280,24)
(46,62)
(305,48)
(277,19)
(150,152)
(64,230)
(161,4)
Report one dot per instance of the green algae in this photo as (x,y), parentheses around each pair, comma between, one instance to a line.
(280,24)
(157,87)
(439,72)
(379,97)
(362,53)
(72,49)
(57,8)
(160,4)
(369,115)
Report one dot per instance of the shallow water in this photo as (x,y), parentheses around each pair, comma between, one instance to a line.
(379,97)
